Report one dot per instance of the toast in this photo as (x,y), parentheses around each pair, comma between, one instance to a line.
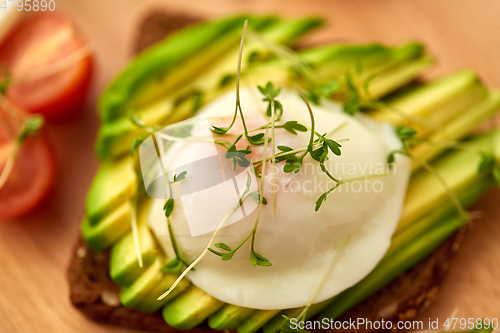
(94,293)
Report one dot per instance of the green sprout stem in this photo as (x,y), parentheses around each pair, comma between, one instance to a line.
(311,140)
(238,108)
(335,259)
(325,170)
(29,127)
(449,190)
(174,243)
(288,55)
(169,185)
(238,76)
(408,137)
(9,165)
(311,116)
(207,248)
(135,232)
(255,258)
(262,183)
(273,156)
(378,104)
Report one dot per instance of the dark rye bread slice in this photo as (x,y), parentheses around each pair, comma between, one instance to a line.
(94,293)
(158,25)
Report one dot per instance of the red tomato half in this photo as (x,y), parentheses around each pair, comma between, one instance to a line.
(33,46)
(31,178)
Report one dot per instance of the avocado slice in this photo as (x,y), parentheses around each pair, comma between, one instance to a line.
(115,137)
(397,76)
(133,294)
(113,226)
(190,309)
(273,325)
(458,127)
(114,183)
(257,320)
(437,101)
(124,267)
(369,58)
(173,63)
(229,317)
(150,302)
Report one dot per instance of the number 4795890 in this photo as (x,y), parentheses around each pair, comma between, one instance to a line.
(28,5)
(471,323)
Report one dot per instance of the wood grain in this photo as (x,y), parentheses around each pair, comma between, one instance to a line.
(34,251)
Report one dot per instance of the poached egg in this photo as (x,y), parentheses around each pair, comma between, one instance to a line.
(314,254)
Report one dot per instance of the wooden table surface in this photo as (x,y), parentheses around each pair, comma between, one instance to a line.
(34,251)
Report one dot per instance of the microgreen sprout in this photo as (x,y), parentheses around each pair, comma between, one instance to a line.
(244,196)
(175,265)
(291,126)
(293,162)
(286,327)
(370,101)
(30,127)
(238,156)
(320,154)
(256,259)
(270,94)
(134,227)
(408,137)
(137,142)
(322,90)
(318,147)
(352,105)
(253,139)
(490,165)
(296,63)
(138,122)
(5,79)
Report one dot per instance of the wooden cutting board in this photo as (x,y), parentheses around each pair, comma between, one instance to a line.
(34,251)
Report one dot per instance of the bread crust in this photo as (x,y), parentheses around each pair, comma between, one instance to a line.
(402,299)
(158,25)
(411,292)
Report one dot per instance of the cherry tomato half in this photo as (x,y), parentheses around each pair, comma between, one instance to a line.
(32,176)
(33,54)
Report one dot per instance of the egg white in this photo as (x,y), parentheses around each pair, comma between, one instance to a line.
(299,242)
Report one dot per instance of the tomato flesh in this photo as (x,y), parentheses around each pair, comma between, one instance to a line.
(32,175)
(33,53)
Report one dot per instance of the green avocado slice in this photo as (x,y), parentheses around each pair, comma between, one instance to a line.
(109,229)
(150,302)
(133,294)
(190,309)
(124,265)
(114,183)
